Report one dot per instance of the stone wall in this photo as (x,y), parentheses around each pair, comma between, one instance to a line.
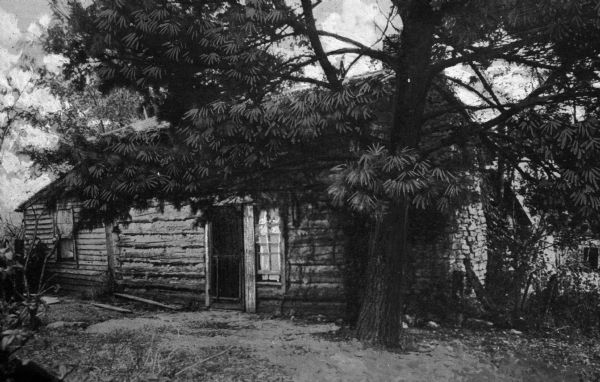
(439,257)
(469,239)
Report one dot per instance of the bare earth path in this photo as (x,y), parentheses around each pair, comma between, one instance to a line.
(232,346)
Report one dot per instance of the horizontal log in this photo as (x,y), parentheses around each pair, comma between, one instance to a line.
(307,272)
(162,253)
(193,299)
(161,284)
(166,262)
(91,280)
(151,237)
(42,224)
(92,255)
(161,245)
(98,242)
(189,267)
(317,292)
(164,257)
(95,235)
(79,287)
(85,266)
(41,232)
(156,274)
(81,272)
(265,292)
(162,227)
(29,224)
(46,237)
(169,212)
(197,253)
(38,214)
(100,267)
(315,240)
(318,254)
(72,280)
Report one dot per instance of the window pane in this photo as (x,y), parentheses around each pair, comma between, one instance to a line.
(593,258)
(64,222)
(268,240)
(66,249)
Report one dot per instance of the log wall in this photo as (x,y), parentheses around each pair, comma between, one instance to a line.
(314,260)
(160,254)
(312,280)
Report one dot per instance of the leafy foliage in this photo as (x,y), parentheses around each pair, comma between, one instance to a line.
(207,75)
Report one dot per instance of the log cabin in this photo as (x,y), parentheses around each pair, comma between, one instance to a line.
(291,258)
(300,257)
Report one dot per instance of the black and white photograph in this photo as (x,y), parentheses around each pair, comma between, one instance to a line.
(300,190)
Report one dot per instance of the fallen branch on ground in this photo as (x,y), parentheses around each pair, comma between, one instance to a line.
(110,307)
(145,300)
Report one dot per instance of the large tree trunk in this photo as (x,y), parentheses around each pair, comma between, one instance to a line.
(379,318)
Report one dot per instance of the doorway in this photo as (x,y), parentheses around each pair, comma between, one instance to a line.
(227,251)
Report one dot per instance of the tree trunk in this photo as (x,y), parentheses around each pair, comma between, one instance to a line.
(379,318)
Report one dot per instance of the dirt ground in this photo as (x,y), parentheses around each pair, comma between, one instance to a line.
(235,346)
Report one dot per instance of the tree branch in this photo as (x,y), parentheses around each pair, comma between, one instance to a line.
(313,36)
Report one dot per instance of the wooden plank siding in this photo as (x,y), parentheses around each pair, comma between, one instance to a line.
(86,274)
(161,254)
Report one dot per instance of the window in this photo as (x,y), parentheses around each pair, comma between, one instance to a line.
(590,257)
(63,225)
(269,246)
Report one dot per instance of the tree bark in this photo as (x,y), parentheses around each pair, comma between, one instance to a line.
(379,317)
(379,320)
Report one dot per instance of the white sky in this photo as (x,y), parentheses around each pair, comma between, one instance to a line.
(16,181)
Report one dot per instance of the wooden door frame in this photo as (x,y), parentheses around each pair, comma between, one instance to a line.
(248,272)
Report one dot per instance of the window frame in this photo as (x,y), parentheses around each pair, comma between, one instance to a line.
(71,237)
(587,251)
(263,274)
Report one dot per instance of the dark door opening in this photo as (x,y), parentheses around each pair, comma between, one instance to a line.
(227,255)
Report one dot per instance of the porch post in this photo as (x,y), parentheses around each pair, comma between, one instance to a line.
(249,260)
(207,255)
(110,254)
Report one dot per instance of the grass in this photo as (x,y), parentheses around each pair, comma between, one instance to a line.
(134,355)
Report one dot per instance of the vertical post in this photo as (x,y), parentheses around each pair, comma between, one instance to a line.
(249,260)
(74,237)
(110,255)
(207,254)
(282,254)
